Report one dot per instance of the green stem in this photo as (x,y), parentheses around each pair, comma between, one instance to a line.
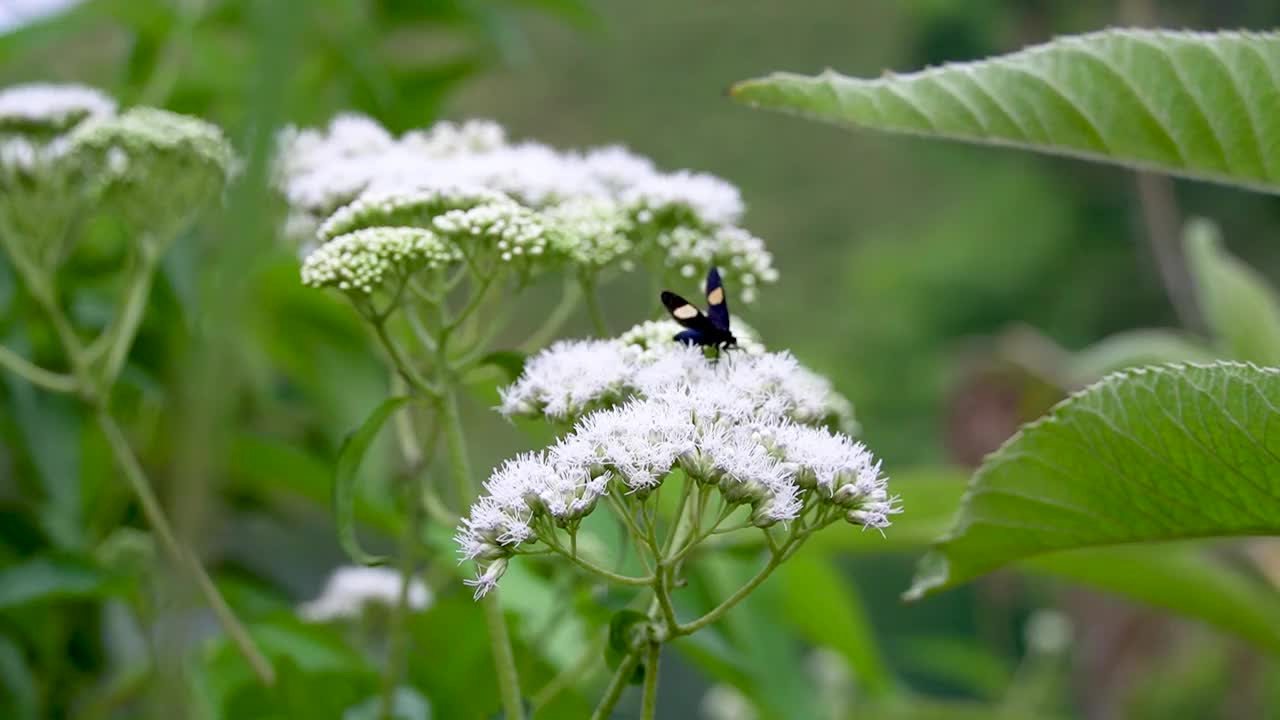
(504,659)
(403,366)
(556,319)
(183,557)
(649,703)
(398,636)
(598,321)
(775,560)
(621,678)
(125,329)
(592,567)
(499,639)
(34,374)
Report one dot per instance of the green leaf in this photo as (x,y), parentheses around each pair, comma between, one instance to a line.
(1194,104)
(43,579)
(824,606)
(344,480)
(406,704)
(18,683)
(1160,575)
(1238,304)
(1135,348)
(1147,455)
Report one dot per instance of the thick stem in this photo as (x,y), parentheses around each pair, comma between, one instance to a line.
(181,556)
(621,678)
(649,703)
(504,659)
(456,441)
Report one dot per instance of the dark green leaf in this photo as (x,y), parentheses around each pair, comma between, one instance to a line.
(44,579)
(344,480)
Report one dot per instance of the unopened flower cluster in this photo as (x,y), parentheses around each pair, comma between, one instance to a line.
(527,203)
(66,152)
(744,425)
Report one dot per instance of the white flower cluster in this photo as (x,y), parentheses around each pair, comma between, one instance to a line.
(728,425)
(653,337)
(350,589)
(46,109)
(377,258)
(608,204)
(572,378)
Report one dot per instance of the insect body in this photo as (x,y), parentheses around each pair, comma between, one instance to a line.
(711,329)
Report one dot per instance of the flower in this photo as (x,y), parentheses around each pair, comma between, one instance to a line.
(45,109)
(350,589)
(574,377)
(607,204)
(371,259)
(736,425)
(415,207)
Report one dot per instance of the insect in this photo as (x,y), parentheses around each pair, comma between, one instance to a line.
(711,329)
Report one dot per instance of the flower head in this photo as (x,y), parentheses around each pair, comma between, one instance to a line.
(371,259)
(350,589)
(44,109)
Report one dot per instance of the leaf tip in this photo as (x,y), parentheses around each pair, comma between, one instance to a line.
(932,574)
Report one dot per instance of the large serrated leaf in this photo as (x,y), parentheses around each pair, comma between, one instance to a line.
(1154,454)
(1199,105)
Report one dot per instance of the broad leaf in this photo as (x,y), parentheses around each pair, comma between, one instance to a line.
(1180,577)
(43,579)
(1238,304)
(824,606)
(1148,455)
(344,479)
(1194,104)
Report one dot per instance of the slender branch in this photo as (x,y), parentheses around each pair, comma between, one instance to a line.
(503,658)
(569,297)
(598,321)
(125,329)
(183,557)
(34,374)
(397,654)
(775,560)
(606,574)
(649,703)
(580,669)
(621,678)
(403,366)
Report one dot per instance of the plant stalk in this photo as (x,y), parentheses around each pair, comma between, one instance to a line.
(621,678)
(649,703)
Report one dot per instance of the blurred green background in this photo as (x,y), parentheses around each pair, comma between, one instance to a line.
(929,281)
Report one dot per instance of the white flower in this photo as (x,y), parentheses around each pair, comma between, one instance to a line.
(654,337)
(741,256)
(409,207)
(725,702)
(842,471)
(569,378)
(711,199)
(350,589)
(50,108)
(375,258)
(445,138)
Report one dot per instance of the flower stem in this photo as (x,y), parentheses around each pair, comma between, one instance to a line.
(183,557)
(123,332)
(504,659)
(649,703)
(34,374)
(775,560)
(397,635)
(556,319)
(621,678)
(598,321)
(499,640)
